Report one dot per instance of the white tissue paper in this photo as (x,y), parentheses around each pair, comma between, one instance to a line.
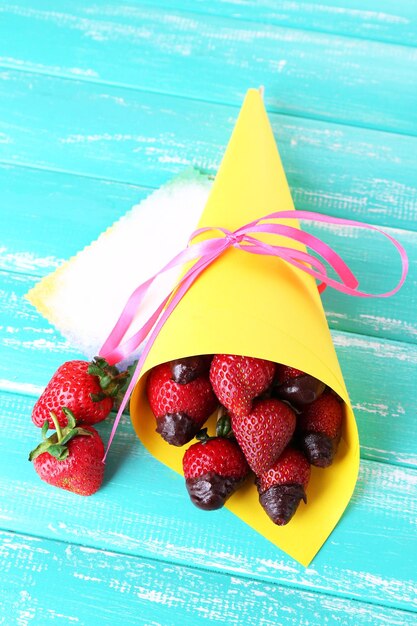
(135,247)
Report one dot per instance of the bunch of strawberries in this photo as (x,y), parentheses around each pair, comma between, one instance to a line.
(79,395)
(273,420)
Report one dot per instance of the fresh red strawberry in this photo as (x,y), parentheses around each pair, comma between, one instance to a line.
(214,468)
(320,427)
(282,486)
(87,389)
(296,386)
(237,380)
(71,458)
(264,432)
(180,410)
(185,370)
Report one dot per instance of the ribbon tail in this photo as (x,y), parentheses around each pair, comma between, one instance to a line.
(175,297)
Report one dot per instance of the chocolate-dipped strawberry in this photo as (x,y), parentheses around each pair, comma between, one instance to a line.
(282,487)
(189,368)
(320,427)
(214,468)
(180,409)
(296,387)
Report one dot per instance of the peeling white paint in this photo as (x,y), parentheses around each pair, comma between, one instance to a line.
(378,409)
(26,389)
(27,261)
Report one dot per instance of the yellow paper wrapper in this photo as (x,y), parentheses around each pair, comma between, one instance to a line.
(257,306)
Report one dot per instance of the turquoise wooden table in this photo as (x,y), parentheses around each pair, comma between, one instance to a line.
(100,103)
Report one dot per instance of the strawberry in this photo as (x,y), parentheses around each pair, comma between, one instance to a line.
(296,386)
(71,458)
(214,468)
(282,486)
(87,389)
(180,410)
(185,370)
(237,380)
(264,432)
(320,427)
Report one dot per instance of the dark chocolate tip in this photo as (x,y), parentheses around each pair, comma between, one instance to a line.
(300,391)
(210,491)
(177,428)
(319,448)
(280,502)
(184,371)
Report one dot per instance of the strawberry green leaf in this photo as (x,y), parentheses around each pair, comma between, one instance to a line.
(40,449)
(98,397)
(111,381)
(223,426)
(56,443)
(94,370)
(58,451)
(45,429)
(70,417)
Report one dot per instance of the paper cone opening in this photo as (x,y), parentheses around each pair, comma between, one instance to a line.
(257,306)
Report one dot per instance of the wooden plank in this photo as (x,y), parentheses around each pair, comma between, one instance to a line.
(388,21)
(143,139)
(143,510)
(140,591)
(306,73)
(74,208)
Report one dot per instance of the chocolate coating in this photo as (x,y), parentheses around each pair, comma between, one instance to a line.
(300,391)
(319,448)
(189,368)
(177,428)
(280,502)
(210,491)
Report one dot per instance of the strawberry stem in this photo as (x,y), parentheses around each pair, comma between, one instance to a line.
(223,426)
(56,444)
(57,426)
(203,436)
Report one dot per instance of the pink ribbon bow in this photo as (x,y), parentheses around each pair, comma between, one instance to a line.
(205,252)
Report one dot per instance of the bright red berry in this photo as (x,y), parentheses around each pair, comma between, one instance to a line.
(264,432)
(213,469)
(87,389)
(237,380)
(71,458)
(320,427)
(291,467)
(282,486)
(180,409)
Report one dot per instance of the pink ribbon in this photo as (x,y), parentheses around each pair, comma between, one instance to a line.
(205,252)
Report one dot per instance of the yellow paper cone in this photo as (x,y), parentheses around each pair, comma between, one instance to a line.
(261,307)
